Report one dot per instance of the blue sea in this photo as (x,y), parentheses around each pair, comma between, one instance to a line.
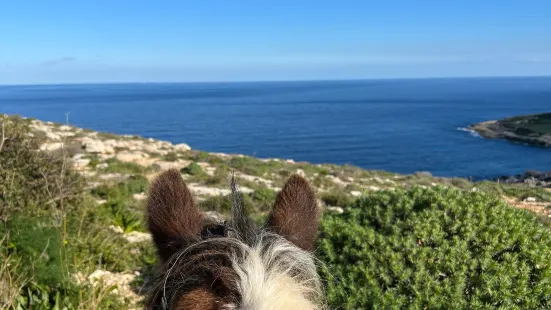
(395,125)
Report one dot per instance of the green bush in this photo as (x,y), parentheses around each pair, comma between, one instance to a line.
(336,198)
(193,169)
(117,166)
(435,249)
(263,199)
(222,204)
(124,190)
(31,180)
(172,156)
(120,208)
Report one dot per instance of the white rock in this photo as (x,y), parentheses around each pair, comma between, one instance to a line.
(65,128)
(215,216)
(356,193)
(96,146)
(102,166)
(88,173)
(139,196)
(213,191)
(337,210)
(136,236)
(66,134)
(122,282)
(336,180)
(52,136)
(81,162)
(112,176)
(530,199)
(301,172)
(182,147)
(101,201)
(255,179)
(116,229)
(126,156)
(373,188)
(165,165)
(51,146)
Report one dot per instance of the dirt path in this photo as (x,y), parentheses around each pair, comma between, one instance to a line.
(536,207)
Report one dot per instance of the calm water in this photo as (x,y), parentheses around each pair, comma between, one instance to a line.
(395,125)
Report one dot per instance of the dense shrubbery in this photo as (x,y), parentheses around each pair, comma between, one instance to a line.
(50,231)
(30,180)
(435,249)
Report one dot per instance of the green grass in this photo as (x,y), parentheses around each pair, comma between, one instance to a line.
(193,169)
(117,166)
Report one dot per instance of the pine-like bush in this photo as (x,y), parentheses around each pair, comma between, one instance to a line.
(435,249)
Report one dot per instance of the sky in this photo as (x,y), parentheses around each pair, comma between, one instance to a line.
(103,41)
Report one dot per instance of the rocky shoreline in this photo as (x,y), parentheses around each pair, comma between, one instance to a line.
(533,129)
(531,178)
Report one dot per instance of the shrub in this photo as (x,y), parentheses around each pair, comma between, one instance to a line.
(193,169)
(32,180)
(172,156)
(117,166)
(263,198)
(336,198)
(222,204)
(435,249)
(220,176)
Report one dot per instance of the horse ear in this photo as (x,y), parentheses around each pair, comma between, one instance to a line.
(295,214)
(172,215)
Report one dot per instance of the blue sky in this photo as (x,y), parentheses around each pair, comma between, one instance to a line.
(64,41)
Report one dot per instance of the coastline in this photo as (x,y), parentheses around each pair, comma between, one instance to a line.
(533,130)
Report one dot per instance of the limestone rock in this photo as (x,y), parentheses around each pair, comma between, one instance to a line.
(96,146)
(126,156)
(52,146)
(136,237)
(337,210)
(182,147)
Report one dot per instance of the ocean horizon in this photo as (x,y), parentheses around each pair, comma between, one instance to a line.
(398,125)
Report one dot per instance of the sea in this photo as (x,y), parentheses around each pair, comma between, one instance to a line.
(401,125)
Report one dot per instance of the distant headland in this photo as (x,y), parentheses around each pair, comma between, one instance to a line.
(532,129)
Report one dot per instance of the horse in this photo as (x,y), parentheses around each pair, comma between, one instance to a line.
(209,265)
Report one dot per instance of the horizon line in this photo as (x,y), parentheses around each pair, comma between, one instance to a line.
(283,80)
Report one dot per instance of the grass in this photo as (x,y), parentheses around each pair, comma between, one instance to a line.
(117,166)
(193,169)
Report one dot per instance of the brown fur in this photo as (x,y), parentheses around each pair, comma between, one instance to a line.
(173,217)
(198,299)
(197,271)
(295,214)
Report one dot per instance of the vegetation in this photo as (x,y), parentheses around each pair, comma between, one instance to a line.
(435,249)
(193,169)
(32,181)
(52,231)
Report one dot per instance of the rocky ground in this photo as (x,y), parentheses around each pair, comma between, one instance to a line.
(531,178)
(528,129)
(107,159)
